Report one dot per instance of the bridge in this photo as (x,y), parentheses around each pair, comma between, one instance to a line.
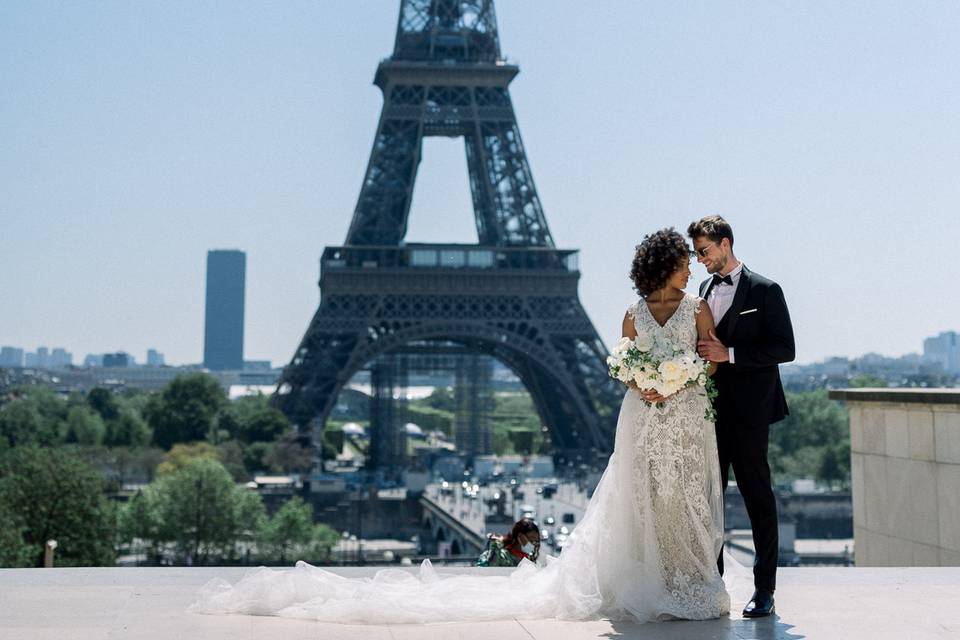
(460,518)
(453,534)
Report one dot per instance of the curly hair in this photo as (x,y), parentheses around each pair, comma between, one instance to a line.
(657,258)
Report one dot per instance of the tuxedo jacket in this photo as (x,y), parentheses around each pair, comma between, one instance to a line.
(757,326)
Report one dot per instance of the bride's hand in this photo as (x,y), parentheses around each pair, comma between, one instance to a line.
(652,396)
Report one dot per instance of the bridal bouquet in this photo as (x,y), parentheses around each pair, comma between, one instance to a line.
(660,365)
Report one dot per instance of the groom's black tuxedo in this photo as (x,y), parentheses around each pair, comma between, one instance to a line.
(757,327)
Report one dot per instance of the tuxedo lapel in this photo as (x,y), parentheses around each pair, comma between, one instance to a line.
(739,298)
(706,287)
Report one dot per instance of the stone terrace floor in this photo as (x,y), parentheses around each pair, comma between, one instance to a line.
(150,603)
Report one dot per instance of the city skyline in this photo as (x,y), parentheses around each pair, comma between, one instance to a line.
(140,137)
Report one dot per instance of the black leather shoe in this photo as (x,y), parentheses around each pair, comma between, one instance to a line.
(760,605)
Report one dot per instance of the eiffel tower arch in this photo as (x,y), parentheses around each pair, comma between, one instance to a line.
(512,296)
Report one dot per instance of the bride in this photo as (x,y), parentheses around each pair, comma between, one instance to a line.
(645,549)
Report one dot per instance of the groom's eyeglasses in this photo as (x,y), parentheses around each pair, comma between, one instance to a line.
(702,251)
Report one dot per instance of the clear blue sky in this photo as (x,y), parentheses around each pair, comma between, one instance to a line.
(135,136)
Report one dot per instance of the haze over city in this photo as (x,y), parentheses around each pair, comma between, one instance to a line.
(138,137)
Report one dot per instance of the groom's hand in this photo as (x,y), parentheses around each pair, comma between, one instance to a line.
(713,350)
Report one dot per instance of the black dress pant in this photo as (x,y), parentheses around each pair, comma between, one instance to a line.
(745,449)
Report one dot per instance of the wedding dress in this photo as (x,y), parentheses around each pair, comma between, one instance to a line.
(645,549)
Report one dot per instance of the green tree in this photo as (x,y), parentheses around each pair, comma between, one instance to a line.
(813,441)
(20,422)
(104,402)
(325,538)
(867,380)
(140,524)
(431,419)
(226,424)
(441,398)
(127,429)
(204,514)
(84,426)
(185,410)
(288,533)
(254,420)
(32,415)
(181,455)
(14,552)
(517,426)
(255,456)
(264,426)
(57,496)
(288,454)
(291,534)
(231,454)
(834,467)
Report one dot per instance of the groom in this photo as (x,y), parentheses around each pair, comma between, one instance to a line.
(753,336)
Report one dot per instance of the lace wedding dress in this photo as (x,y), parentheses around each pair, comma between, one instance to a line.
(646,547)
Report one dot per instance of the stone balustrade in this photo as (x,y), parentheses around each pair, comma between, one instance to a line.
(905,472)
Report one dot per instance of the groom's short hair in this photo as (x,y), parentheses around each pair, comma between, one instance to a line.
(713,227)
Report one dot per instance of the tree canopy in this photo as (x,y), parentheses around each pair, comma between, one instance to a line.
(51,494)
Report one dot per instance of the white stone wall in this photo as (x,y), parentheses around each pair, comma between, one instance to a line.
(905,468)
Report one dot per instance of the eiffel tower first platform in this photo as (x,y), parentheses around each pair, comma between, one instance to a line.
(512,296)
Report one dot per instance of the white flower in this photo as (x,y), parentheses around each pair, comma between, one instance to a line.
(624,375)
(671,370)
(643,380)
(643,342)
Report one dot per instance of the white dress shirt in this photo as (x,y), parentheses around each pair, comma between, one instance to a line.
(721,298)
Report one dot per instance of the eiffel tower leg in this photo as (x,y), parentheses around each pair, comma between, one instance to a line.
(501,183)
(381,214)
(323,362)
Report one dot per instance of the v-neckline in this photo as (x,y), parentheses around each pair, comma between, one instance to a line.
(667,321)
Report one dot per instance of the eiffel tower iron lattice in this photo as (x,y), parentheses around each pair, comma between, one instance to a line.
(512,296)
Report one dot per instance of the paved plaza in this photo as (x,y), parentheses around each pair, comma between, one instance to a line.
(151,603)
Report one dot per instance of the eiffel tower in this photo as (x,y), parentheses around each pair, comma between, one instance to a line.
(512,296)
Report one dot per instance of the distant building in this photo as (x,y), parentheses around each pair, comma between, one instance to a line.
(11,357)
(154,358)
(142,378)
(117,360)
(93,360)
(256,365)
(223,325)
(60,358)
(944,350)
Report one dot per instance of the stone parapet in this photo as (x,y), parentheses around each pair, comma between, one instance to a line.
(905,472)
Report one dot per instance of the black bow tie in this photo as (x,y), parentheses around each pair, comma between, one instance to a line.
(717,279)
